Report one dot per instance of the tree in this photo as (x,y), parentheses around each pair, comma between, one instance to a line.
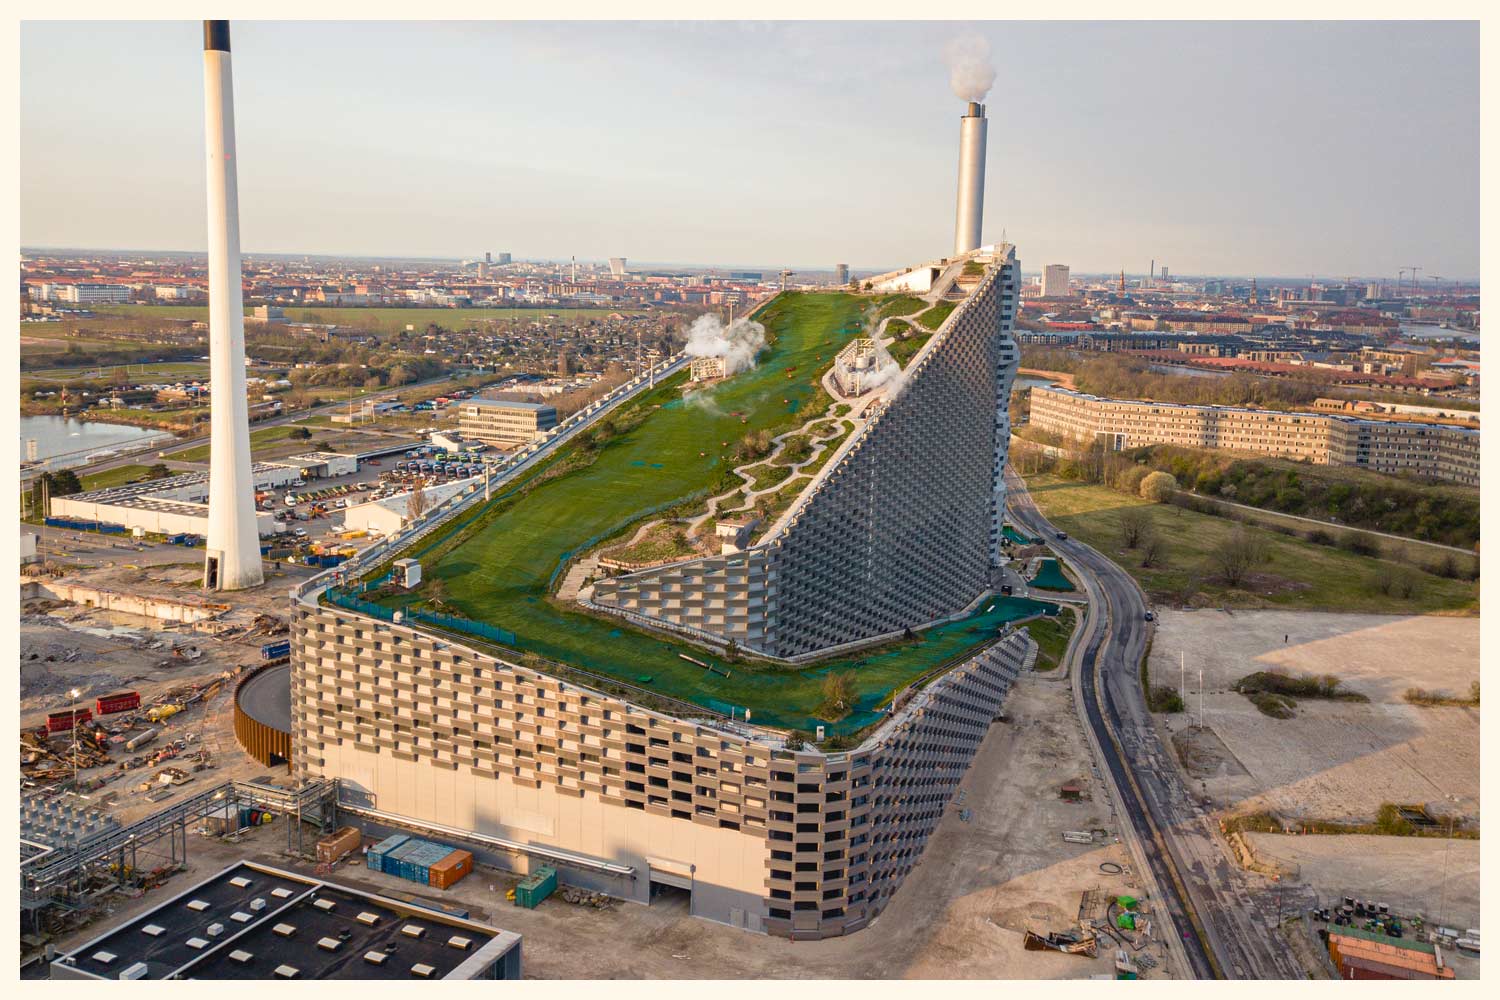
(732,651)
(838,692)
(299,433)
(1134,522)
(416,504)
(1153,548)
(1237,554)
(158,471)
(1158,487)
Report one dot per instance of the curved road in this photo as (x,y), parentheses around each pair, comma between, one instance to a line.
(1221,928)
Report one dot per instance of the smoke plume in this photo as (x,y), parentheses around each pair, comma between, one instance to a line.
(738,345)
(970,71)
(703,401)
(884,370)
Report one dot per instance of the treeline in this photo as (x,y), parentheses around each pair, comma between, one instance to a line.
(1398,507)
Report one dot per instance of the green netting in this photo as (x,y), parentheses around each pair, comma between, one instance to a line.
(1018,538)
(1050,577)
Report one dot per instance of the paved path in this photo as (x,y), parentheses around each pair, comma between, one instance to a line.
(1221,920)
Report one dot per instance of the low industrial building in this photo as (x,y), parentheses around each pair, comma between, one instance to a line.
(706,369)
(1433,451)
(387,515)
(1362,954)
(252,921)
(323,464)
(504,421)
(175,505)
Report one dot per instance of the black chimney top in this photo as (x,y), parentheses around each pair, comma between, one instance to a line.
(216,36)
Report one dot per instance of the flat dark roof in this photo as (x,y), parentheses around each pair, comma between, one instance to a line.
(320,929)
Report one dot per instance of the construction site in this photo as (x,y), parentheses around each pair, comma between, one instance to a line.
(1366,787)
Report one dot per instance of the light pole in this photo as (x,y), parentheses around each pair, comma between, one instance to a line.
(75,694)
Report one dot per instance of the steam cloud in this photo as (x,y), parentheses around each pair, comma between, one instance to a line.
(885,370)
(738,345)
(703,401)
(970,71)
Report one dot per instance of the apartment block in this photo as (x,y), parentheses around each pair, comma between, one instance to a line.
(1428,450)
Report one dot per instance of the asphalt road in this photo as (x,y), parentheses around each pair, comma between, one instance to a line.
(1222,921)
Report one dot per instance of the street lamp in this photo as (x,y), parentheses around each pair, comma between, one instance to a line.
(75,694)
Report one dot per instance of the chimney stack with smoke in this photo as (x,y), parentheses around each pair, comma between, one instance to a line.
(972,75)
(232,559)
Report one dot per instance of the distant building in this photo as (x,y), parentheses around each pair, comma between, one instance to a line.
(1055,281)
(617,267)
(270,314)
(503,421)
(89,293)
(502,258)
(841,274)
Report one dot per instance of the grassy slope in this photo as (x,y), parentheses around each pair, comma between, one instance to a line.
(501,574)
(1300,575)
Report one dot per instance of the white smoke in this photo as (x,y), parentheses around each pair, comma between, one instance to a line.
(884,370)
(970,71)
(738,345)
(703,401)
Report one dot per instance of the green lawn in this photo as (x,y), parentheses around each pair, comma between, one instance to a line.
(113,477)
(1298,575)
(176,371)
(258,438)
(934,317)
(1051,636)
(501,572)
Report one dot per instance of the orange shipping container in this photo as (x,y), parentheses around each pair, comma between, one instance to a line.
(331,848)
(450,870)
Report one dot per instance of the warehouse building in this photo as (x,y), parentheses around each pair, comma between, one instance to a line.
(252,921)
(1361,954)
(175,505)
(504,422)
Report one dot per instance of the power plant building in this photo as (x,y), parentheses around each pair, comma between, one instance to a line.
(504,422)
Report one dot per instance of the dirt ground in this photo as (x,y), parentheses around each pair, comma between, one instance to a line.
(64,646)
(1404,872)
(1334,760)
(961,914)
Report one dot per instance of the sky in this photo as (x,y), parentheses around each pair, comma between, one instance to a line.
(1235,148)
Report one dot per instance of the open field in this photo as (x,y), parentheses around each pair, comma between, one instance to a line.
(113,477)
(1334,760)
(176,371)
(374,318)
(502,571)
(1298,573)
(277,442)
(960,914)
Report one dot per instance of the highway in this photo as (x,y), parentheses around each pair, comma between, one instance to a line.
(1221,920)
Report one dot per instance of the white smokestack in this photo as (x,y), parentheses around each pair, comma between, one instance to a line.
(971,149)
(233,556)
(971,73)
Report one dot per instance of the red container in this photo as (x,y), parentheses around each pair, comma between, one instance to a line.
(63,722)
(121,701)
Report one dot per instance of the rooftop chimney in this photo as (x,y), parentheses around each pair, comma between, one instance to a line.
(971,143)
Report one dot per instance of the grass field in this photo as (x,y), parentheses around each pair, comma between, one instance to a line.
(176,371)
(258,438)
(374,318)
(1051,636)
(501,573)
(1297,575)
(113,477)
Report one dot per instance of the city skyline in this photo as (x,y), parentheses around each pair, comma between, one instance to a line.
(1249,153)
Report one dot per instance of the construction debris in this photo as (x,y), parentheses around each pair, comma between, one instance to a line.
(582,897)
(1069,942)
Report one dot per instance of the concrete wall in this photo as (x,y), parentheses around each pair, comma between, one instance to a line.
(160,608)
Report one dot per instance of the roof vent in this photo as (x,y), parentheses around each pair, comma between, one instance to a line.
(197,906)
(155,930)
(214,930)
(240,881)
(413,930)
(376,957)
(104,957)
(288,971)
(368,919)
(257,904)
(329,944)
(240,955)
(423,970)
(323,904)
(460,942)
(197,943)
(240,917)
(281,892)
(285,930)
(136,971)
